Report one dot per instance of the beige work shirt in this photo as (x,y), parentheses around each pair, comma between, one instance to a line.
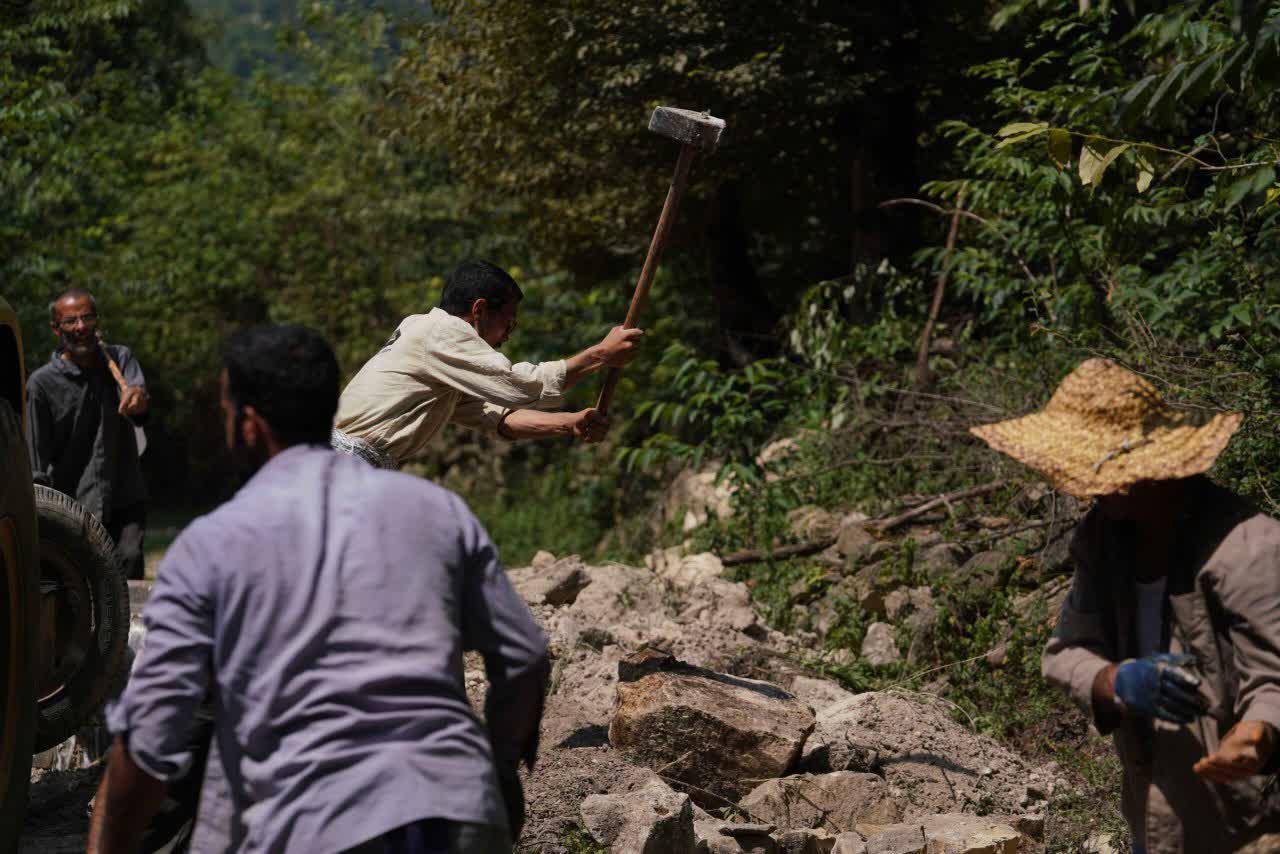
(436,369)
(1222,607)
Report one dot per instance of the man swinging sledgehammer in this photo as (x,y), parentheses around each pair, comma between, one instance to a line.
(444,366)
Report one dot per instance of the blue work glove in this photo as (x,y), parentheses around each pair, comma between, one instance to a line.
(1158,687)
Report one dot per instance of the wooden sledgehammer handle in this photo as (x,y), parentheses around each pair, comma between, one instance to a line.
(112,366)
(659,242)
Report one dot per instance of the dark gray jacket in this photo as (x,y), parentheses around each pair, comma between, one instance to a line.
(79,444)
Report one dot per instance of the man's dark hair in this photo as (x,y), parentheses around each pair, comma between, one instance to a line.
(475,280)
(289,375)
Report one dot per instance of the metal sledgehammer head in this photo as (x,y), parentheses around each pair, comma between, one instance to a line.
(700,130)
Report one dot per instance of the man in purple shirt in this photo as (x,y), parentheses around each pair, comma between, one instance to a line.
(327,607)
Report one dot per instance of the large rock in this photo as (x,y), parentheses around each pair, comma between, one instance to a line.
(836,802)
(879,646)
(936,834)
(931,763)
(650,820)
(712,731)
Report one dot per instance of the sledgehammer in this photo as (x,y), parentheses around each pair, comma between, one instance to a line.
(695,132)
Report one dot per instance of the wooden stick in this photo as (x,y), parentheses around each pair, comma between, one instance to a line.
(922,356)
(781,552)
(939,501)
(678,182)
(112,366)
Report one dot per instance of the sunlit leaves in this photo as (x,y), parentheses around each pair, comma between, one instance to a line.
(1144,159)
(1059,143)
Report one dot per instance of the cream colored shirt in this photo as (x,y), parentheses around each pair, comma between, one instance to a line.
(437,369)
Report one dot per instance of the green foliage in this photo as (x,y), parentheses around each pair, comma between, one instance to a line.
(243,35)
(542,110)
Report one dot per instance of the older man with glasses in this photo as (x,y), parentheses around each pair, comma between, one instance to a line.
(79,429)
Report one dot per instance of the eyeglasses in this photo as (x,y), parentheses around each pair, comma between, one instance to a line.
(70,322)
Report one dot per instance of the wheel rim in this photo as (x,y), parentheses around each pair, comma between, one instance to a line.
(66,620)
(14,647)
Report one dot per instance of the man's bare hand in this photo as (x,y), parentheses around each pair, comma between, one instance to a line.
(1243,751)
(133,401)
(619,347)
(590,426)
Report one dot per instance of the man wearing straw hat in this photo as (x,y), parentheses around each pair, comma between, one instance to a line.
(1170,636)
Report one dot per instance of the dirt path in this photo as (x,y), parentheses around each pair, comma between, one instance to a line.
(57,818)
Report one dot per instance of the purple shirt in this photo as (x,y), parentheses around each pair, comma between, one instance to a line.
(328,605)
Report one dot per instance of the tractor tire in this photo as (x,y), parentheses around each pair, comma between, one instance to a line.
(19,587)
(84,626)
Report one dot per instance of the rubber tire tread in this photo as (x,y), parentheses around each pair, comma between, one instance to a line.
(18,504)
(64,522)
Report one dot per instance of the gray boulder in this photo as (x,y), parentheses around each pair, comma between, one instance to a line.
(650,820)
(707,729)
(945,834)
(835,802)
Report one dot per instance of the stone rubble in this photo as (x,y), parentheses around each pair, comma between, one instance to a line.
(678,721)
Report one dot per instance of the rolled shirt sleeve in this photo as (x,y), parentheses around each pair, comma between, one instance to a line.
(1249,593)
(158,706)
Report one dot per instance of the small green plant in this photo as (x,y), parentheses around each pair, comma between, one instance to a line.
(579,841)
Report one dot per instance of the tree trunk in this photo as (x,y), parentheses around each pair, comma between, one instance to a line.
(879,134)
(746,316)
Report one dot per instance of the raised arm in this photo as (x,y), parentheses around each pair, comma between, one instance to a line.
(134,400)
(615,350)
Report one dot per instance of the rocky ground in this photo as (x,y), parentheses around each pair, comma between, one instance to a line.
(678,721)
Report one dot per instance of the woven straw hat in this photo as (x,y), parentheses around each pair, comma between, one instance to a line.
(1106,428)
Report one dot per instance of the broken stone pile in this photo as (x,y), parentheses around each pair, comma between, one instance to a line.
(677,722)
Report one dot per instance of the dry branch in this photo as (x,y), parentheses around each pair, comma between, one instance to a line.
(934,503)
(779,553)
